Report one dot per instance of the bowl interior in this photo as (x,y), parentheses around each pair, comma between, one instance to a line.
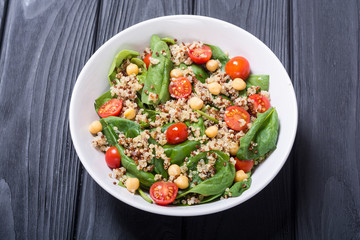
(92,82)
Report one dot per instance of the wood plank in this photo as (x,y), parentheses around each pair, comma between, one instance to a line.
(107,216)
(268,215)
(3,11)
(44,47)
(326,75)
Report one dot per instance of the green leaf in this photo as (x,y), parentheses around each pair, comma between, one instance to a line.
(210,198)
(168,40)
(207,116)
(130,128)
(198,70)
(118,60)
(154,40)
(218,54)
(159,167)
(264,132)
(177,153)
(144,196)
(141,76)
(198,124)
(223,178)
(239,187)
(158,75)
(102,100)
(256,80)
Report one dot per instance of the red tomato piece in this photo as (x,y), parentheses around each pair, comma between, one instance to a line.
(163,193)
(177,133)
(200,55)
(110,108)
(236,118)
(258,103)
(113,158)
(180,88)
(238,67)
(147,60)
(245,165)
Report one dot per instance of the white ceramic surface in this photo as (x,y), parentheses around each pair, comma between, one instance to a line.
(92,82)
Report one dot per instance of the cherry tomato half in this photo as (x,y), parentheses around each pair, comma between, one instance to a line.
(163,193)
(259,104)
(238,67)
(245,165)
(200,55)
(113,158)
(147,60)
(177,133)
(110,108)
(180,88)
(236,118)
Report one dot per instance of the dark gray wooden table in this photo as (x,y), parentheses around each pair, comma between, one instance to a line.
(46,194)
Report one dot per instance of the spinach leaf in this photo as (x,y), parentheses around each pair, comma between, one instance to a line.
(207,116)
(168,40)
(159,167)
(198,124)
(256,80)
(218,54)
(154,40)
(102,100)
(264,132)
(239,187)
(144,196)
(145,178)
(141,76)
(223,178)
(177,153)
(199,71)
(210,198)
(158,75)
(129,128)
(118,60)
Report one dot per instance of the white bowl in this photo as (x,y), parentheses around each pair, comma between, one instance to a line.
(92,82)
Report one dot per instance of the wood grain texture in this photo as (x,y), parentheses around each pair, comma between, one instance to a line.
(107,216)
(3,11)
(45,193)
(44,47)
(270,214)
(326,76)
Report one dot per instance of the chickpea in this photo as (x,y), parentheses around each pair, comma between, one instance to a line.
(174,170)
(175,73)
(214,88)
(132,184)
(238,84)
(234,148)
(130,113)
(240,176)
(95,127)
(182,182)
(212,65)
(196,103)
(211,131)
(132,69)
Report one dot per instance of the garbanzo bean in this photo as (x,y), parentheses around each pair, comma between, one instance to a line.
(95,127)
(182,182)
(132,69)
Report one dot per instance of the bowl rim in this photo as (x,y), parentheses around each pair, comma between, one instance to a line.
(167,210)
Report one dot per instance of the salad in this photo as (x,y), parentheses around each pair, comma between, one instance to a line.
(184,122)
